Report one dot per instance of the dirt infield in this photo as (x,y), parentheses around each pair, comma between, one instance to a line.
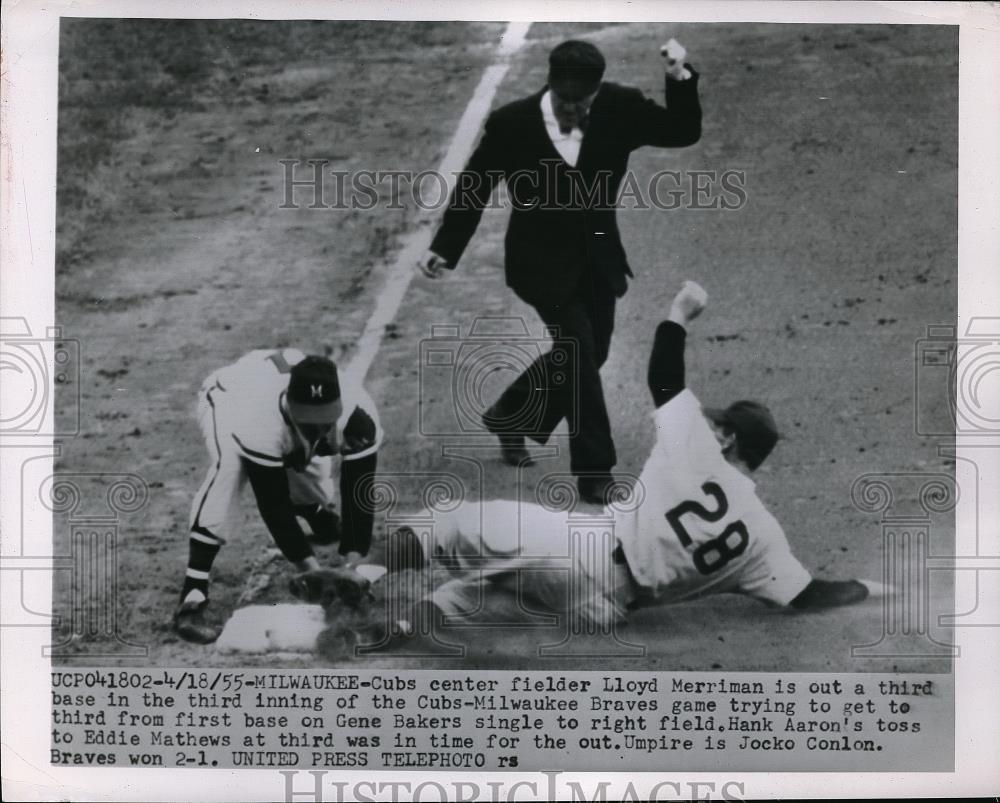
(175,256)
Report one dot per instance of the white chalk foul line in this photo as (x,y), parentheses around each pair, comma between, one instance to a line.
(416,242)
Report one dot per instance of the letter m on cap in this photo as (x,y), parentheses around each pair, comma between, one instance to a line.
(316,391)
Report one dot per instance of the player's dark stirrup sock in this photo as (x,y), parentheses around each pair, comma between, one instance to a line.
(202,549)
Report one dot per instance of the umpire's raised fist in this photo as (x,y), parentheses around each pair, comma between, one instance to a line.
(688,303)
(675,53)
(431,265)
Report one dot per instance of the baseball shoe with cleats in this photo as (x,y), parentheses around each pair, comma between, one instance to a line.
(191,624)
(512,449)
(323,586)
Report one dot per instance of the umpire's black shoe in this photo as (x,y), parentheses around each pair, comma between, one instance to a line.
(191,625)
(512,449)
(599,489)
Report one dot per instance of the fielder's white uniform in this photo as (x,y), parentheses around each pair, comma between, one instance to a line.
(701,529)
(243,416)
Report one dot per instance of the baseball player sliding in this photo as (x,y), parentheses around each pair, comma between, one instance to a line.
(701,528)
(277,418)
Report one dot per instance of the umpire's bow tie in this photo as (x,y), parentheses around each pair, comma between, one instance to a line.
(581,124)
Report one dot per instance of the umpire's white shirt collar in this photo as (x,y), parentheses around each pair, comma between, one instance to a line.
(568,145)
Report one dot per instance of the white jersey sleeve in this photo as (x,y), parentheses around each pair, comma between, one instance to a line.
(684,437)
(773,573)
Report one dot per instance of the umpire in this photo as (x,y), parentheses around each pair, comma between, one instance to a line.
(563,153)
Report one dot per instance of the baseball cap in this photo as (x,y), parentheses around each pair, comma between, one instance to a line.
(314,391)
(576,68)
(753,424)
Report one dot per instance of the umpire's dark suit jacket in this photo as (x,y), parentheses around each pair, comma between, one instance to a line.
(563,219)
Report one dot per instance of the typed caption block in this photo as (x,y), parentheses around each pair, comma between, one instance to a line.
(525,721)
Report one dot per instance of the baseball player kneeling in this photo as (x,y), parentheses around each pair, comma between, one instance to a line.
(276,418)
(701,528)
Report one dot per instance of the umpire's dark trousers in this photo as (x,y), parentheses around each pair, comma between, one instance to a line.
(566,381)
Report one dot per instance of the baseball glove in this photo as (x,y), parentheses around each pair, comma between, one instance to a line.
(324,586)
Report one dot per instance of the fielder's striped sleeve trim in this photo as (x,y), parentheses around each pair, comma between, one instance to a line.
(258,457)
(194,574)
(358,455)
(362,430)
